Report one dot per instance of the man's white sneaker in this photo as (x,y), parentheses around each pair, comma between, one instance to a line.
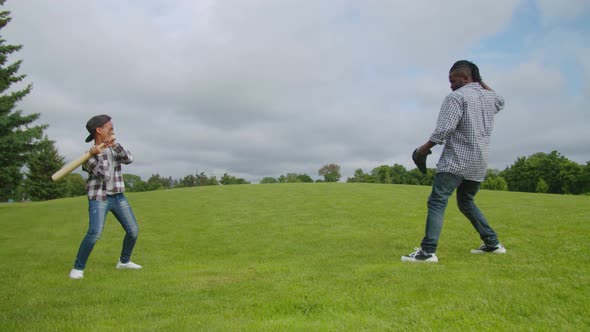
(420,256)
(76,274)
(498,249)
(129,265)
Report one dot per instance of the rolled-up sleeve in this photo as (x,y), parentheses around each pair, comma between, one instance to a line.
(499,103)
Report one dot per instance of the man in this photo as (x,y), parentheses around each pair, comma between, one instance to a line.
(105,189)
(464,126)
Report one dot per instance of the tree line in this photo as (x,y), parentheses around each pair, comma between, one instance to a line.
(28,159)
(541,173)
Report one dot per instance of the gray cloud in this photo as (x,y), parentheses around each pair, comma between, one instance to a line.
(269,87)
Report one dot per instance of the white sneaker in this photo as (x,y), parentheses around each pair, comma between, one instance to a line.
(76,274)
(499,249)
(420,256)
(130,265)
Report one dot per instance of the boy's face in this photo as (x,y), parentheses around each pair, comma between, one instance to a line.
(105,131)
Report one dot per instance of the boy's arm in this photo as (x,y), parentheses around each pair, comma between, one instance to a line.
(122,155)
(98,165)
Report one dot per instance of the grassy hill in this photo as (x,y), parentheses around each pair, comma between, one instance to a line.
(298,257)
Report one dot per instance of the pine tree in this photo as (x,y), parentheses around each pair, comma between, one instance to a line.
(17,137)
(42,164)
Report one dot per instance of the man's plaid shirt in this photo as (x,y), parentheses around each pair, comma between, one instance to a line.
(98,172)
(464,126)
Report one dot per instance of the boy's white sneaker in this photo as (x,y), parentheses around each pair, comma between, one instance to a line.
(76,274)
(130,265)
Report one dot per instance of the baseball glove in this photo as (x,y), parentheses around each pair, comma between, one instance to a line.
(420,160)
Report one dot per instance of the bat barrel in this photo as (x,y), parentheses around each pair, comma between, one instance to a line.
(67,169)
(70,167)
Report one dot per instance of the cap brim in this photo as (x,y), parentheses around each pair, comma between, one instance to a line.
(89,138)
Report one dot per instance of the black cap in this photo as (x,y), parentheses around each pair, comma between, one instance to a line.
(95,122)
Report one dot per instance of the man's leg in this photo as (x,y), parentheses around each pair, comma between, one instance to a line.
(465,201)
(124,214)
(97,211)
(443,187)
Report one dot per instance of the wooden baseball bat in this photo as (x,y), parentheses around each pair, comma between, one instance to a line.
(67,169)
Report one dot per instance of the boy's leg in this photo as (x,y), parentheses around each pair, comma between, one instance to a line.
(124,214)
(97,211)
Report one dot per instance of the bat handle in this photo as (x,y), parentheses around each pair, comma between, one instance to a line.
(100,147)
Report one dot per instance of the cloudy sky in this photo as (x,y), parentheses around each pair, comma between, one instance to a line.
(270,87)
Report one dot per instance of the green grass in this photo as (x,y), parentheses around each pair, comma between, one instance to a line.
(298,257)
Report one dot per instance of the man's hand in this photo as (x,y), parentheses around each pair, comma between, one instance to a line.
(425,148)
(485,86)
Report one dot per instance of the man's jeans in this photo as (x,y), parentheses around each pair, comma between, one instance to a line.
(97,211)
(442,189)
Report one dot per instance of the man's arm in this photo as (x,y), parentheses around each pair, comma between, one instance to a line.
(450,114)
(499,100)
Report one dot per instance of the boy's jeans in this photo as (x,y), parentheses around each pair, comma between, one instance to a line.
(442,189)
(97,211)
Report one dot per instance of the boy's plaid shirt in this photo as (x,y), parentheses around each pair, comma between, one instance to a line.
(98,172)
